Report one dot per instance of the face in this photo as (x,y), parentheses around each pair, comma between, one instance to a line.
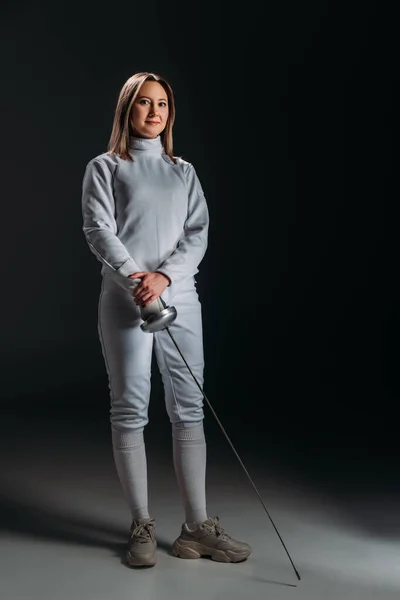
(150,110)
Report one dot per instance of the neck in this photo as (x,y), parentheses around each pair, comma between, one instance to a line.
(141,145)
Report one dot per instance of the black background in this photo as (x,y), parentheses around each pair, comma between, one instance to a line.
(289,114)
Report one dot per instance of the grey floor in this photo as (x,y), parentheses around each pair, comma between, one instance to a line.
(64,525)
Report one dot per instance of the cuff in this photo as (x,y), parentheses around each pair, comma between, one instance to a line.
(128,268)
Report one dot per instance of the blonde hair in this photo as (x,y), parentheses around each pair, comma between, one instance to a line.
(122,128)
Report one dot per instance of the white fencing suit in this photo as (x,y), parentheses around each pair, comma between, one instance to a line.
(147,215)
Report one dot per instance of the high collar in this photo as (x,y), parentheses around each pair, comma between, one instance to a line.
(148,146)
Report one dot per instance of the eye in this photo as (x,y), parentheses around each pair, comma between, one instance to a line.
(163,104)
(143,101)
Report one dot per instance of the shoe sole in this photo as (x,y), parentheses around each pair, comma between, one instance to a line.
(142,560)
(186,549)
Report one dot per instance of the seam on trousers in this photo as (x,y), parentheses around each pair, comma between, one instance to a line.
(171,379)
(103,344)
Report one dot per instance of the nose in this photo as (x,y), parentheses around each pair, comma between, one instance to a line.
(153,111)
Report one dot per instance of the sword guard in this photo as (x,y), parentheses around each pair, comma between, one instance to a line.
(159,321)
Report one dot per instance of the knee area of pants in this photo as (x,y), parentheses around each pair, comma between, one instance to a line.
(187,424)
(128,422)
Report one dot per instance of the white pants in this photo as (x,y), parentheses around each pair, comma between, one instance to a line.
(127,352)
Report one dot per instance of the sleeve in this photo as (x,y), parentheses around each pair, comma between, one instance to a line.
(99,224)
(185,259)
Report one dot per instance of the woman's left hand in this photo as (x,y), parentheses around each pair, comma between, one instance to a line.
(150,288)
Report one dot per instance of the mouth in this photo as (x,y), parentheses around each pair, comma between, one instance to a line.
(153,122)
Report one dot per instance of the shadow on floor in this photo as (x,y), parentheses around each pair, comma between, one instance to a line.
(19,516)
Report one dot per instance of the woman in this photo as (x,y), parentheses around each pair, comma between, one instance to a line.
(146,219)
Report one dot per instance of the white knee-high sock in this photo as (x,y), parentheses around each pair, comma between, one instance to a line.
(130,460)
(189,455)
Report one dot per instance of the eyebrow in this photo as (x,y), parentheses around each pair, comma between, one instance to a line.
(148,98)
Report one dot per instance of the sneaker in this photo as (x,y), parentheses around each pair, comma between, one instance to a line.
(209,539)
(142,545)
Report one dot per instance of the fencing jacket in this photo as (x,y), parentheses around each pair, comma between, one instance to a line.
(145,215)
